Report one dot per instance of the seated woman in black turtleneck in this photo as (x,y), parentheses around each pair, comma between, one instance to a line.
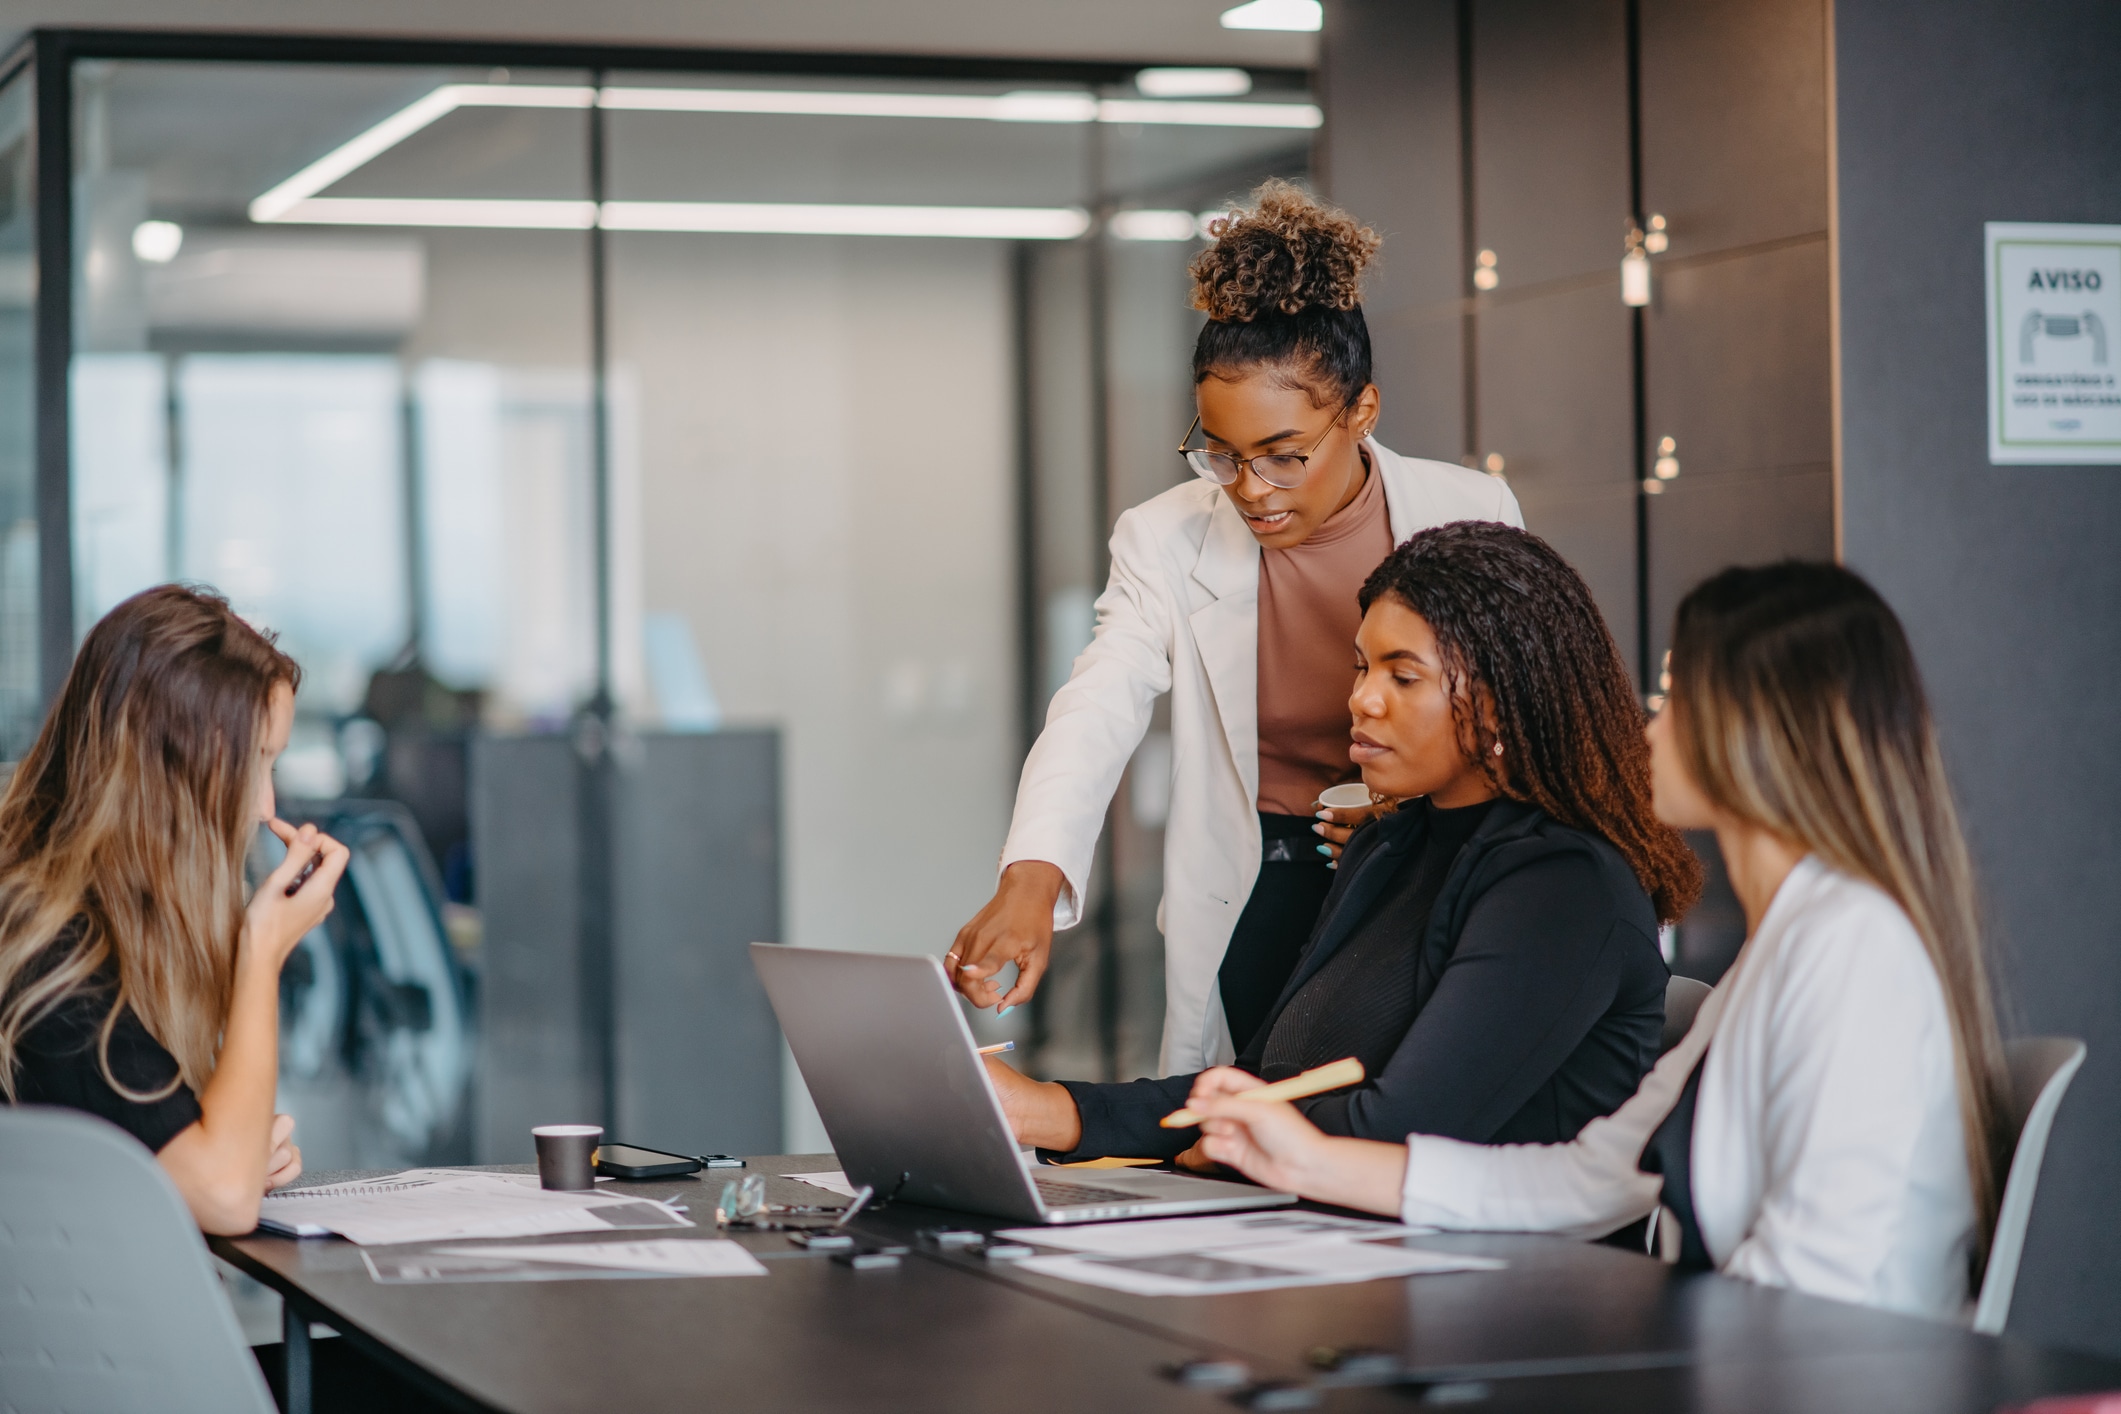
(1489,949)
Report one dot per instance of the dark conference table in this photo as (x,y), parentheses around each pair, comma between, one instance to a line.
(1565,1326)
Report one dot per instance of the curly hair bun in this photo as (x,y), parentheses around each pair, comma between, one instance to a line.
(1286,254)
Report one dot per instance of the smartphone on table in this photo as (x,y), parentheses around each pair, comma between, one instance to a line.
(632,1161)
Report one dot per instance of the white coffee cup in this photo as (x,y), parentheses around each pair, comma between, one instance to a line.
(1352,796)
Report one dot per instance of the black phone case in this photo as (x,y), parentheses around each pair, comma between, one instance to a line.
(678,1167)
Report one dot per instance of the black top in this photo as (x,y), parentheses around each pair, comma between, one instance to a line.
(56,1063)
(1670,1152)
(1361,1001)
(1534,986)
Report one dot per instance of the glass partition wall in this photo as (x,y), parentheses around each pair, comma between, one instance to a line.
(20,703)
(523,390)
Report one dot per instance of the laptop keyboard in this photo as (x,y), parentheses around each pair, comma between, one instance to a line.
(1060,1193)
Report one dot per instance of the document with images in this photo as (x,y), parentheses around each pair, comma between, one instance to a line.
(431,1205)
(1162,1236)
(1319,1262)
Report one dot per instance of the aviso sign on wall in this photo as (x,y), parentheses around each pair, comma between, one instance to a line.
(2054,368)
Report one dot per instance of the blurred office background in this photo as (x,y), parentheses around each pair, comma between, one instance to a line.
(876,359)
(678,442)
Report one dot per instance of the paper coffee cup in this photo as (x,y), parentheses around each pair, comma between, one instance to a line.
(1352,796)
(567,1156)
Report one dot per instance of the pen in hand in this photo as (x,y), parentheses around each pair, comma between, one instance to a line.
(1317,1081)
(303,877)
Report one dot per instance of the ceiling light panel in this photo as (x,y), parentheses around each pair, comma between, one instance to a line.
(1009,223)
(299,199)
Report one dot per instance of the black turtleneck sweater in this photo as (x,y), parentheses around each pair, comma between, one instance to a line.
(1361,1002)
(1496,972)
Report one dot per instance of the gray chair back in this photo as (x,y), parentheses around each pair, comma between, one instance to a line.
(108,1300)
(2041,1069)
(1683,997)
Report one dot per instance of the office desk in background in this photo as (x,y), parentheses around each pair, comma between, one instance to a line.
(1566,1326)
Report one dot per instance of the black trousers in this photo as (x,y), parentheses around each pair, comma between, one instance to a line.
(1276,923)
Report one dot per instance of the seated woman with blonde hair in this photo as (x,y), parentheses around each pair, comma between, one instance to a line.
(1830,1122)
(135,983)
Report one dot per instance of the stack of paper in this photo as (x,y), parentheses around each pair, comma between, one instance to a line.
(664,1257)
(1243,1252)
(430,1205)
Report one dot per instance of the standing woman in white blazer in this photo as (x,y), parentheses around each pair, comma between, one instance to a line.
(1830,1122)
(1236,594)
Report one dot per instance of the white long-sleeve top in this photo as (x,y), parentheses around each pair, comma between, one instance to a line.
(1827,1153)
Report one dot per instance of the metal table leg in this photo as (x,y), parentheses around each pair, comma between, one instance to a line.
(294,1326)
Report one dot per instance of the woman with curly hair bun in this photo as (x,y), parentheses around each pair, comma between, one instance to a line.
(1236,594)
(1489,949)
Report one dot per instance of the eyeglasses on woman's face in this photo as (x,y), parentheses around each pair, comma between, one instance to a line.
(1285,470)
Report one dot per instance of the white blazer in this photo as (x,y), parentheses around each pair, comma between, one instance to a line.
(1181,615)
(1827,1153)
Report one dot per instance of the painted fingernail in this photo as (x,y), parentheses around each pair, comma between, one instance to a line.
(1327,852)
(1325,814)
(1005,1011)
(1334,865)
(1318,829)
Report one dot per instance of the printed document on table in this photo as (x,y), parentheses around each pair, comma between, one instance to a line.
(596,1261)
(1321,1262)
(667,1256)
(1163,1236)
(832,1181)
(430,1205)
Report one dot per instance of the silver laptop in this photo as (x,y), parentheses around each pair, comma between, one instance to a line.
(883,1045)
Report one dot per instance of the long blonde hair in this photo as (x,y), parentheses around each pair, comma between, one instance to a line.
(1799,709)
(125,827)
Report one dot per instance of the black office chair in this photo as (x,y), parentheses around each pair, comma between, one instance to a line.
(377,1035)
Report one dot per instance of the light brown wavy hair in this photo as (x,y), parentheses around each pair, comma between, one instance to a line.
(123,830)
(1799,709)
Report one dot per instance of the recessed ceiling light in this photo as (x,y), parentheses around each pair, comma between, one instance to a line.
(1192,83)
(1277,14)
(157,242)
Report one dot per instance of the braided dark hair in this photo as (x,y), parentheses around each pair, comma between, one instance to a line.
(1517,627)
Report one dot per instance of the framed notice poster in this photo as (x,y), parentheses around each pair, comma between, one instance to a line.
(2054,343)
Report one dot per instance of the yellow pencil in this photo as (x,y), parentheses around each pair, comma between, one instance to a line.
(1312,1082)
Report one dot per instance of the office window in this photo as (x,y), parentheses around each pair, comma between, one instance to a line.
(18,437)
(875,362)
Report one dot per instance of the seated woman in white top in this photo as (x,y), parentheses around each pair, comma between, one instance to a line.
(1830,1122)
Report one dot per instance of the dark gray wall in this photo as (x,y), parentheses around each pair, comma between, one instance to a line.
(698,880)
(1952,113)
(1541,372)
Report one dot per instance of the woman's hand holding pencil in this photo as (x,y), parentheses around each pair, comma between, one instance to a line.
(1249,1126)
(1339,1075)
